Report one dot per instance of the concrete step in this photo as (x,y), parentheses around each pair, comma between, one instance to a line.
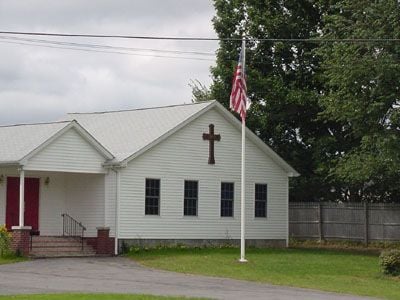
(69,249)
(58,246)
(62,254)
(47,239)
(56,250)
(47,246)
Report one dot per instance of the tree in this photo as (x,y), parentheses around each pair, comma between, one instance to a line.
(332,110)
(361,83)
(280,79)
(200,92)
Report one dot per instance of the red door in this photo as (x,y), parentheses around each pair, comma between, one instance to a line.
(31,216)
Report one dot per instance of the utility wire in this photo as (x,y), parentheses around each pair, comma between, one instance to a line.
(104,51)
(311,40)
(111,36)
(101,46)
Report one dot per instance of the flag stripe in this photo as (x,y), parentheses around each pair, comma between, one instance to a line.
(238,99)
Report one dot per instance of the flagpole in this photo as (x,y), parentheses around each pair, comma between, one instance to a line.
(243,183)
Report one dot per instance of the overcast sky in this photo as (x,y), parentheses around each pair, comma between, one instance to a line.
(42,84)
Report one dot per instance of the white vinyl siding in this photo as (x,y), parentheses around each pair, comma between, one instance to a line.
(79,195)
(70,152)
(184,156)
(52,200)
(85,200)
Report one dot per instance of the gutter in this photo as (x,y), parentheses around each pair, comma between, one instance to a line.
(10,164)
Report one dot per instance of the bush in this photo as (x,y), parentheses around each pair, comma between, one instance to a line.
(390,262)
(5,241)
(124,247)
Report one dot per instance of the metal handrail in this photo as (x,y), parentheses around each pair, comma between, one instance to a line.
(31,234)
(72,227)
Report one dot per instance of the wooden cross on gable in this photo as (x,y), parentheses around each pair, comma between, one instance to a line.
(211,137)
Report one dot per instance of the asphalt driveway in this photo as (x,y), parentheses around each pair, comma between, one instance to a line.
(122,275)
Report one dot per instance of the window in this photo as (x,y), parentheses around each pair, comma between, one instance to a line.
(227,199)
(260,201)
(191,196)
(152,205)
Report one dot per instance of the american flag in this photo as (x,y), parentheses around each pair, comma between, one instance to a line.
(238,100)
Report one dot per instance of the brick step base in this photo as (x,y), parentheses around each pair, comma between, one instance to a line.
(54,246)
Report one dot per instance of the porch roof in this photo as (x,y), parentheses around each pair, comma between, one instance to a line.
(21,141)
(17,141)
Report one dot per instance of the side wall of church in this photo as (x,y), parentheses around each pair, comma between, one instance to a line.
(184,156)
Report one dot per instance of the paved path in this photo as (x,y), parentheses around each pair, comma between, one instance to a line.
(121,275)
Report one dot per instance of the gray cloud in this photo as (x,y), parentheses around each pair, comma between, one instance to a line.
(42,84)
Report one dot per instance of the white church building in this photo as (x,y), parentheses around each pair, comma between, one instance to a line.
(149,176)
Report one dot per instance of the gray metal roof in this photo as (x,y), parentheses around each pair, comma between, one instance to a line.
(17,141)
(126,132)
(121,135)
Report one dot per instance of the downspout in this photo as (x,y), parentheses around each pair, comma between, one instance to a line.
(117,195)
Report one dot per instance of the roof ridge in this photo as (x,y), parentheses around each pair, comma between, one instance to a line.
(32,124)
(139,109)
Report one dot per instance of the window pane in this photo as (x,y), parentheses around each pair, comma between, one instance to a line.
(190,207)
(190,199)
(260,206)
(260,209)
(227,192)
(226,208)
(151,206)
(152,202)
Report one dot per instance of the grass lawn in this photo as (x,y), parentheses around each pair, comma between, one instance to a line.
(342,272)
(10,259)
(89,297)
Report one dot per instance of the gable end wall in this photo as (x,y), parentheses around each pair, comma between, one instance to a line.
(70,152)
(184,156)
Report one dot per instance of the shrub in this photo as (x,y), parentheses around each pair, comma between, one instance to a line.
(5,241)
(124,247)
(390,262)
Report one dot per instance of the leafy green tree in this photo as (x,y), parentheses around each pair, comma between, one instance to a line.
(332,110)
(361,84)
(200,92)
(280,79)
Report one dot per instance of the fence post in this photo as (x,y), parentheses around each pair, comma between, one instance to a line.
(320,229)
(366,239)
